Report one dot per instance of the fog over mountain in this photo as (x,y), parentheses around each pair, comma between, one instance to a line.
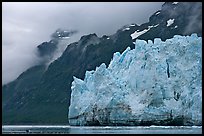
(42,94)
(26,25)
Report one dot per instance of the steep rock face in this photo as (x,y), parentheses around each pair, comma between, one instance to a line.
(154,84)
(186,16)
(59,38)
(47,49)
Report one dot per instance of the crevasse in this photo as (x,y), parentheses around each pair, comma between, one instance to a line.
(154,84)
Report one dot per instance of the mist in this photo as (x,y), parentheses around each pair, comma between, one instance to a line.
(25,25)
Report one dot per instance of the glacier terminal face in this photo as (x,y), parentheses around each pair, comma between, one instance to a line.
(157,83)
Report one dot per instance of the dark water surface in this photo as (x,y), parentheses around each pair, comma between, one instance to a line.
(16,129)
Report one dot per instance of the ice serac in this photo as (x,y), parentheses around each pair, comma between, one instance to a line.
(157,83)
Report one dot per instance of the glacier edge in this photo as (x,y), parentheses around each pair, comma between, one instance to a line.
(156,83)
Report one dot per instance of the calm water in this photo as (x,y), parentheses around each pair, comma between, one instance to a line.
(103,130)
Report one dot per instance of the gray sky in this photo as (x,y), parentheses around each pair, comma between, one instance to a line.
(25,25)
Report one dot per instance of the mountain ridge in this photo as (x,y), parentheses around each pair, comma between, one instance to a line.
(47,101)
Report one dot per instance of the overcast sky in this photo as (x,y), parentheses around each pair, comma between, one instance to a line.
(27,24)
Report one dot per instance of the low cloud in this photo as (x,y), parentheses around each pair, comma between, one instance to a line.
(25,25)
(194,23)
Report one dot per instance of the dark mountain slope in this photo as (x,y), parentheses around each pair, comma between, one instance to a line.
(45,92)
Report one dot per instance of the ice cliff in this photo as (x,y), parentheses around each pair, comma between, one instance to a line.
(157,83)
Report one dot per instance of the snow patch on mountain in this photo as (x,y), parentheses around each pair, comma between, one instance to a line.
(137,34)
(126,29)
(157,13)
(132,25)
(175,3)
(170,22)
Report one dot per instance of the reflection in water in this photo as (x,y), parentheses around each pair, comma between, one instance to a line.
(105,130)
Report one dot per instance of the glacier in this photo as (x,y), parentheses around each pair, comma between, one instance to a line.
(157,83)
